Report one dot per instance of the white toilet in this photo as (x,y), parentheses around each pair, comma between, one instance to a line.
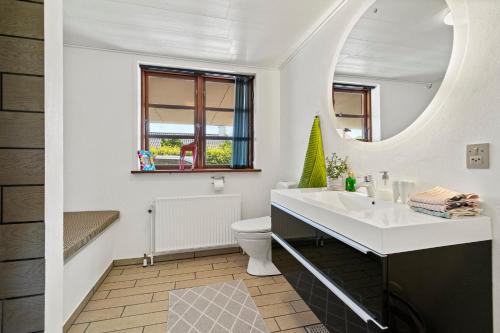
(254,237)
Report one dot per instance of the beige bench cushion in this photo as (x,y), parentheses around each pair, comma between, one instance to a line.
(81,227)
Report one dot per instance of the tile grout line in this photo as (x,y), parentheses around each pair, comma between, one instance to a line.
(32,1)
(120,288)
(112,307)
(154,284)
(140,314)
(158,291)
(153,325)
(23,74)
(123,310)
(124,306)
(22,111)
(21,185)
(22,37)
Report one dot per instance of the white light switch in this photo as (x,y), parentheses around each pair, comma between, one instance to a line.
(478,156)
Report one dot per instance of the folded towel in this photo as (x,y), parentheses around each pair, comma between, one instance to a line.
(446,207)
(452,214)
(442,196)
(445,203)
(445,215)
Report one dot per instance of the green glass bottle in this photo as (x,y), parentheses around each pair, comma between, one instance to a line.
(350,182)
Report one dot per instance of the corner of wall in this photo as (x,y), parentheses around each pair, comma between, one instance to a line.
(54,195)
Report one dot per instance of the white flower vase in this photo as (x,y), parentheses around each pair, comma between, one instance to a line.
(335,184)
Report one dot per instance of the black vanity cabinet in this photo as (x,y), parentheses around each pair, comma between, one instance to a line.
(353,289)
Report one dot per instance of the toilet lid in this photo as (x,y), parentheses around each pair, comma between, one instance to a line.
(261,224)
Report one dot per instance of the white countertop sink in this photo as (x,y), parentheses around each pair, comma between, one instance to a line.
(381,226)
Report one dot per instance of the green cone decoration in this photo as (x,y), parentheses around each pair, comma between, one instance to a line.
(314,173)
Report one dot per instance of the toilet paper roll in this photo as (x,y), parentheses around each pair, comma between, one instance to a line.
(218,184)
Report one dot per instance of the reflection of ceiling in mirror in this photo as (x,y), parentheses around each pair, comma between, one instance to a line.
(401,40)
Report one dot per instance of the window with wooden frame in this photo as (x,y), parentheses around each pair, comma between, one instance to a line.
(210,111)
(352,105)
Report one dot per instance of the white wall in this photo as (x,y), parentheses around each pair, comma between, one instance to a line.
(84,268)
(101,114)
(401,102)
(53,27)
(432,150)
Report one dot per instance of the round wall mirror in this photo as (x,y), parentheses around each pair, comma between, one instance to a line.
(390,67)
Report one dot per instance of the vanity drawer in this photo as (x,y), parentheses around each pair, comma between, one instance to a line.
(356,271)
(331,310)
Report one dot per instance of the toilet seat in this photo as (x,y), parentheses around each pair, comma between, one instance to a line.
(261,224)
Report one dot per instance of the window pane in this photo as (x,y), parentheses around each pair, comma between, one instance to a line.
(219,94)
(167,151)
(349,103)
(219,123)
(218,152)
(352,127)
(171,91)
(170,122)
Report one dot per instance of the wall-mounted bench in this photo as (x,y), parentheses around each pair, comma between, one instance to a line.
(80,228)
(89,239)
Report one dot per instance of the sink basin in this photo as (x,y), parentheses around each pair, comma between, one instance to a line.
(346,200)
(385,227)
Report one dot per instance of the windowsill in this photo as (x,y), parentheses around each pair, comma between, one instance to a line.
(195,171)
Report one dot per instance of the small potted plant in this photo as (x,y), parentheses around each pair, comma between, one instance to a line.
(336,169)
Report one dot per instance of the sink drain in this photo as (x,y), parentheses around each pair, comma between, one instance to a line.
(319,328)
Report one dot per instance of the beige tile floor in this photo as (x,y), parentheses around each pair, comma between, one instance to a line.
(133,299)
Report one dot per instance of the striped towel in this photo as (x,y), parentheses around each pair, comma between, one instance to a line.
(445,203)
(446,207)
(441,196)
(452,214)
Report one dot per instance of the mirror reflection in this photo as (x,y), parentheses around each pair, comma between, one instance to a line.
(391,66)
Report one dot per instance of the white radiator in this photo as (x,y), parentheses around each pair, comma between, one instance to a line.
(182,224)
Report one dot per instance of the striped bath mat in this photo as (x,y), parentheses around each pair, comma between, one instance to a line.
(216,308)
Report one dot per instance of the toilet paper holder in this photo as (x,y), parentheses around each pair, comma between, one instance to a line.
(218,178)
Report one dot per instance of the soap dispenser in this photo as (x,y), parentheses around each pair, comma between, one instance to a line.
(384,190)
(350,182)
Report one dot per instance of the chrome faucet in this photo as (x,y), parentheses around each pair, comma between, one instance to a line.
(368,184)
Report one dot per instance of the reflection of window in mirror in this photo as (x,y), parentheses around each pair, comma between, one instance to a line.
(353,109)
